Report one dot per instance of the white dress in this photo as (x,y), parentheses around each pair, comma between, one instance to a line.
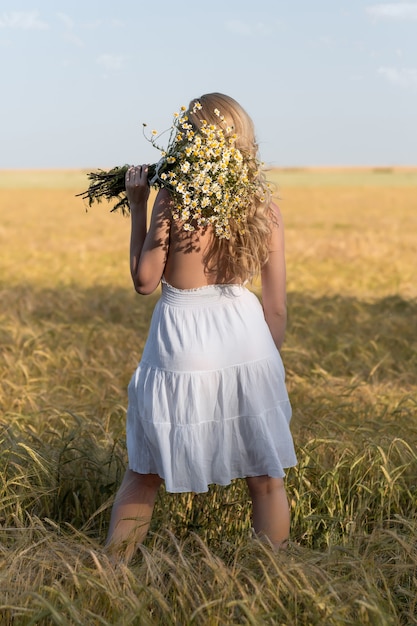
(208,402)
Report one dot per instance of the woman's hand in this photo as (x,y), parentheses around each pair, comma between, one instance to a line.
(137,188)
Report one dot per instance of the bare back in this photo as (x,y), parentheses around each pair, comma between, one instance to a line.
(169,251)
(185,266)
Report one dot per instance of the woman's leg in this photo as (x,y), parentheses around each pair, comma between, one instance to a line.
(271,514)
(132,513)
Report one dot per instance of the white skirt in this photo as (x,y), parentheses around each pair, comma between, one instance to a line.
(208,401)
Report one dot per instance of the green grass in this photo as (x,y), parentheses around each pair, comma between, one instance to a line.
(71,333)
(349,177)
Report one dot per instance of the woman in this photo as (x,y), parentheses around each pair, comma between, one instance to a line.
(207,402)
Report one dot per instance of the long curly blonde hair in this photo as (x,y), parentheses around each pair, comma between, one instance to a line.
(243,254)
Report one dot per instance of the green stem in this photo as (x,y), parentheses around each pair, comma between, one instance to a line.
(110,185)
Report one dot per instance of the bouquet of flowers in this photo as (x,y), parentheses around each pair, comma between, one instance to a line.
(108,185)
(210,180)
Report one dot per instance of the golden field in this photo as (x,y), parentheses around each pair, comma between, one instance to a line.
(71,333)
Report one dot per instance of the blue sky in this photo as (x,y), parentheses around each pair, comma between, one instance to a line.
(327,82)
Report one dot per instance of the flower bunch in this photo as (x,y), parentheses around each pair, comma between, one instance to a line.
(210,180)
(110,185)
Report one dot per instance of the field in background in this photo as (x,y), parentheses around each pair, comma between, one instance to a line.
(71,333)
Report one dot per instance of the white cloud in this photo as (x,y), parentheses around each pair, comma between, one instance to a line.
(23,20)
(66,20)
(116,23)
(327,41)
(243,28)
(238,27)
(402,76)
(74,39)
(70,35)
(111,62)
(394,11)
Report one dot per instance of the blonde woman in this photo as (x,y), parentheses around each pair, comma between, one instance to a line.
(208,402)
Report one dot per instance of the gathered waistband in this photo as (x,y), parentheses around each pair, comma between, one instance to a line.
(200,296)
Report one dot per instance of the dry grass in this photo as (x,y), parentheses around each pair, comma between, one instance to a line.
(71,332)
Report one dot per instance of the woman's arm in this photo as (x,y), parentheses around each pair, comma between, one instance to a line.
(148,249)
(274,299)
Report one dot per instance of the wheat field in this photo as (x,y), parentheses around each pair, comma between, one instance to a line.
(71,333)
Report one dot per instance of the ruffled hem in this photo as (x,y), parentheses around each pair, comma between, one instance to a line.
(222,434)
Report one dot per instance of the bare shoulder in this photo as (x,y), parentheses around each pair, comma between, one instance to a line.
(276,214)
(164,194)
(163,202)
(277,230)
